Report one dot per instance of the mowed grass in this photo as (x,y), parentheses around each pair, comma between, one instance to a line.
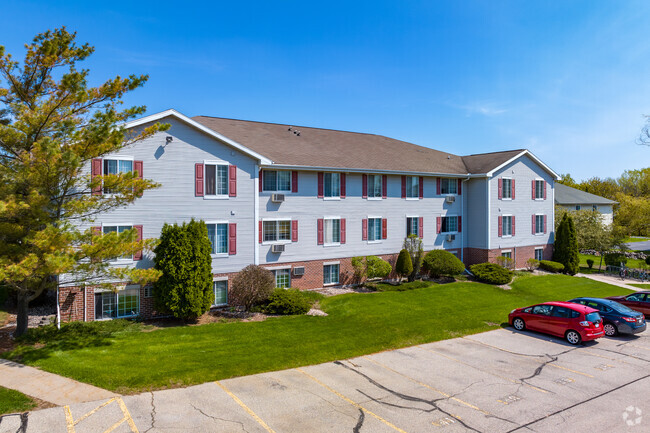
(13,401)
(631,263)
(127,357)
(640,286)
(636,239)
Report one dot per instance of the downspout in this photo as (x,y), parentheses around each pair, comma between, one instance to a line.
(462,212)
(58,309)
(85,303)
(256,212)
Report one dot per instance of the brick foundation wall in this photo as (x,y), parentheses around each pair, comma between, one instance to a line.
(521,255)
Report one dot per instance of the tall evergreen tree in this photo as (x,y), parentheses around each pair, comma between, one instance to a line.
(566,245)
(52,124)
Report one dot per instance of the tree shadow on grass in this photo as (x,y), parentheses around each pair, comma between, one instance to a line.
(42,342)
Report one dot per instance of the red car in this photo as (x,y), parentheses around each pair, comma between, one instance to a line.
(639,301)
(574,322)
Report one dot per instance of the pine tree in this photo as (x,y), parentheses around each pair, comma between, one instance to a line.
(572,266)
(566,245)
(403,266)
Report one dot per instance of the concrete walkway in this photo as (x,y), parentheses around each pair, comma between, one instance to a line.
(47,386)
(615,281)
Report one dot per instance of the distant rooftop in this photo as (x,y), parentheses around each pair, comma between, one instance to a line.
(566,195)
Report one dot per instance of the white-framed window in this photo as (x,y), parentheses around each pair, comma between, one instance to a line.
(218,235)
(331,274)
(506,225)
(412,187)
(282,278)
(578,207)
(594,207)
(118,228)
(540,185)
(276,180)
(412,226)
(506,254)
(216,179)
(448,186)
(276,231)
(374,229)
(332,231)
(506,188)
(113,305)
(449,224)
(374,186)
(148,291)
(539,254)
(116,165)
(539,224)
(332,185)
(220,289)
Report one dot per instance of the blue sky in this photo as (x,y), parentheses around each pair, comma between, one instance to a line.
(568,80)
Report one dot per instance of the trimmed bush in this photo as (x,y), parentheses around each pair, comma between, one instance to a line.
(505,262)
(615,259)
(413,244)
(441,262)
(404,266)
(551,266)
(492,273)
(647,260)
(376,267)
(532,264)
(590,263)
(287,301)
(252,285)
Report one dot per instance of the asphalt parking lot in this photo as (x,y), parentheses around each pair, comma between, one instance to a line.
(498,381)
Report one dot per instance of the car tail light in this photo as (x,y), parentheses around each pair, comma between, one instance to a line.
(629,319)
(585,324)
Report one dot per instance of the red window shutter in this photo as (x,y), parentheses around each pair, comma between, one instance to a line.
(438,224)
(533,188)
(320,231)
(460,224)
(544,190)
(260,233)
(384,186)
(533,223)
(512,187)
(438,185)
(260,180)
(198,179)
(342,230)
(138,167)
(232,239)
(403,186)
(513,225)
(364,185)
(500,225)
(232,181)
(421,227)
(294,231)
(96,170)
(460,186)
(294,181)
(500,190)
(320,184)
(138,237)
(421,185)
(384,228)
(343,185)
(364,228)
(544,224)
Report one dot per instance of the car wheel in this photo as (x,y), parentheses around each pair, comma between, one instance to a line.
(519,324)
(573,337)
(610,329)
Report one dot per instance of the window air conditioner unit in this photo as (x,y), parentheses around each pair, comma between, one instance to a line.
(298,271)
(450,199)
(451,238)
(277,248)
(277,198)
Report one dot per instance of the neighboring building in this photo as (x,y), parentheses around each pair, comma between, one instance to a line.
(574,199)
(303,201)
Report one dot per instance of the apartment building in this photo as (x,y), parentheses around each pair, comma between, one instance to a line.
(302,202)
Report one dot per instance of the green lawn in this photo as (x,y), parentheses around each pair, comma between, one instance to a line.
(631,263)
(13,401)
(120,356)
(641,286)
(635,239)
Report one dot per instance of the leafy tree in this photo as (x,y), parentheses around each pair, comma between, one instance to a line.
(252,285)
(413,244)
(566,179)
(633,215)
(184,288)
(441,262)
(53,125)
(566,245)
(403,266)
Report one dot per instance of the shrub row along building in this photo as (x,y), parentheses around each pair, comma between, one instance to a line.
(302,202)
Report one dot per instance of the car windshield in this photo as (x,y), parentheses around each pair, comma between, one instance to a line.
(593,317)
(622,308)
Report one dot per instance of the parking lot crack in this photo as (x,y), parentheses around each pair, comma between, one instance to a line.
(362,417)
(152,413)
(219,419)
(539,369)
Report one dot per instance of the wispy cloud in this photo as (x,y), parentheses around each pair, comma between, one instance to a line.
(483,108)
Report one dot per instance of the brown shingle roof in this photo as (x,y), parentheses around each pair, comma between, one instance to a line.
(316,147)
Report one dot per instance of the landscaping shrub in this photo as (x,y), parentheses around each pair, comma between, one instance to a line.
(647,260)
(550,266)
(505,262)
(404,266)
(590,263)
(287,301)
(492,273)
(615,259)
(252,285)
(441,262)
(370,267)
(183,256)
(413,244)
(532,264)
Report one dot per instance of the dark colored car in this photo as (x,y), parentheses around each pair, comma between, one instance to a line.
(574,322)
(639,301)
(617,318)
